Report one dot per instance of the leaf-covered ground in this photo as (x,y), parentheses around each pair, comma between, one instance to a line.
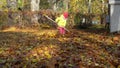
(28,48)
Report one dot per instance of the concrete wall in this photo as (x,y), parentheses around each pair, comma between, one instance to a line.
(114,15)
(114,1)
(115,18)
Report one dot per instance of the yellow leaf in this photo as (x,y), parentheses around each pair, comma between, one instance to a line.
(118,66)
(115,39)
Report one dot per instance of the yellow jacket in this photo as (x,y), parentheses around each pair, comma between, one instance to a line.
(61,21)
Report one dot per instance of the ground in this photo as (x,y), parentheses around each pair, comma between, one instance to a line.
(79,48)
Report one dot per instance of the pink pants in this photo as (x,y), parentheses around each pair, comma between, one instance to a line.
(61,30)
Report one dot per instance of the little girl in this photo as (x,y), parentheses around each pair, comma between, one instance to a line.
(61,22)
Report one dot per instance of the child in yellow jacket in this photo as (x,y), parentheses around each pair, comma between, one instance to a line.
(61,22)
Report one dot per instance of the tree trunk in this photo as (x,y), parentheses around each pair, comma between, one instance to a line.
(35,9)
(35,5)
(103,10)
(66,4)
(11,5)
(55,6)
(103,6)
(89,11)
(102,19)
